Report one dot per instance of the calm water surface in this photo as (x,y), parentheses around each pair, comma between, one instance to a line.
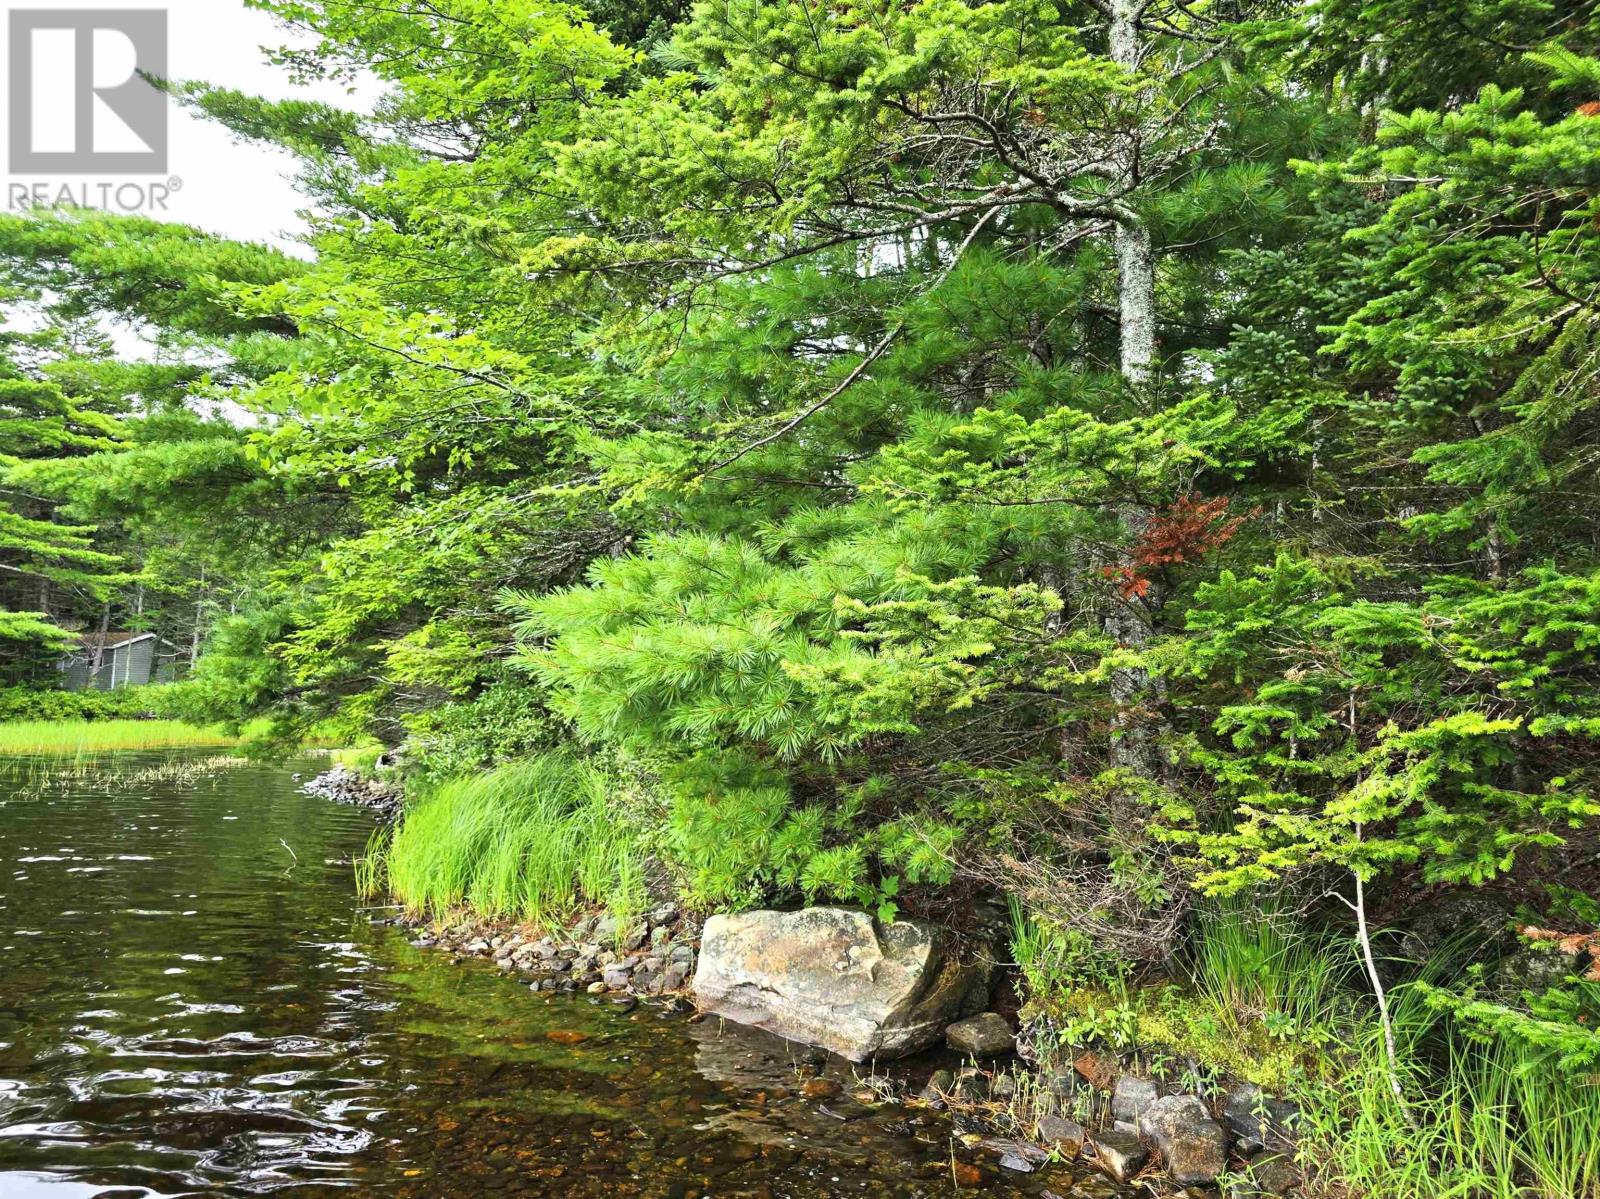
(194,1002)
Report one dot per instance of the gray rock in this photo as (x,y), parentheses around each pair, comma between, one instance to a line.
(833,977)
(1533,968)
(1486,915)
(939,1085)
(1131,1096)
(615,977)
(1062,1135)
(970,1086)
(1275,1174)
(1254,1116)
(1064,1082)
(675,976)
(1034,1155)
(1189,1142)
(1119,1154)
(1268,1176)
(988,1035)
(681,953)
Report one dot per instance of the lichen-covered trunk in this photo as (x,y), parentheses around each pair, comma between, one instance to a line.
(1138,723)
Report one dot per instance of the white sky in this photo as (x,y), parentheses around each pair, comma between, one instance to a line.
(241,190)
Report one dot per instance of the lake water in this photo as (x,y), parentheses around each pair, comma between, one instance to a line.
(193,1001)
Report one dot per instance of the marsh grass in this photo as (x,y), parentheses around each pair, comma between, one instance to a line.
(76,738)
(1486,1116)
(529,841)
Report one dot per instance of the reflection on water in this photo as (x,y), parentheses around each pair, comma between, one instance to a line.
(192,1002)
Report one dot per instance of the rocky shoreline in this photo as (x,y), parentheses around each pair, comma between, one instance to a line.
(346,786)
(836,982)
(1131,1128)
(652,956)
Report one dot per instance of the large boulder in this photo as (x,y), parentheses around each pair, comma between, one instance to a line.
(834,977)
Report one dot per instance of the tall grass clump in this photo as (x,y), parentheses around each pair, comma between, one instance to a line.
(1486,1114)
(528,840)
(1253,963)
(72,738)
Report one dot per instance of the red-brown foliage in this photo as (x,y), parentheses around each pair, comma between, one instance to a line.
(1184,531)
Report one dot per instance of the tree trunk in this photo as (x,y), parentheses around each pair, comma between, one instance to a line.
(1138,723)
(1385,1018)
(97,659)
(1136,301)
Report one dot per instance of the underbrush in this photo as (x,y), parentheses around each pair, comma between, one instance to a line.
(1488,1111)
(1256,998)
(1483,1117)
(124,703)
(69,738)
(530,840)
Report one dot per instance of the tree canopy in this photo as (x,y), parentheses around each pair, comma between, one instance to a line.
(1108,450)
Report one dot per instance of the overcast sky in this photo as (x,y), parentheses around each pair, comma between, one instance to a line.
(241,190)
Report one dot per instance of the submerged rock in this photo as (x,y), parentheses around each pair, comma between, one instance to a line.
(833,977)
(1189,1142)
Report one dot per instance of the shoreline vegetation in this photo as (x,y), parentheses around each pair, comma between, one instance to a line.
(1113,480)
(525,853)
(61,738)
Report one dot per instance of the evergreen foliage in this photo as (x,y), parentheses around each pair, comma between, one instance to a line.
(1100,452)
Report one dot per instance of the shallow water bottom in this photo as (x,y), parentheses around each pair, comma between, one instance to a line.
(193,1002)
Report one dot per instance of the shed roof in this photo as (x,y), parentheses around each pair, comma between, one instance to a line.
(106,641)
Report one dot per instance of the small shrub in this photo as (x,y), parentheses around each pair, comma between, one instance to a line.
(507,722)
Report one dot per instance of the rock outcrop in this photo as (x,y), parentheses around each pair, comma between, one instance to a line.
(834,977)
